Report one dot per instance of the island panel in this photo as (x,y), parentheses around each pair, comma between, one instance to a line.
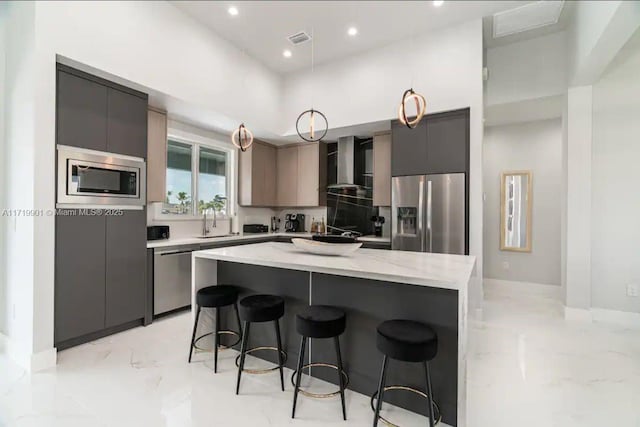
(367,304)
(292,285)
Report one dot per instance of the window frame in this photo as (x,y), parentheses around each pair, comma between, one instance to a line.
(196,141)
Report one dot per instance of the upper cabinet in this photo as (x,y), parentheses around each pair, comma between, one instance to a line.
(409,149)
(257,185)
(100,115)
(290,176)
(439,144)
(382,169)
(126,123)
(156,156)
(81,112)
(287,176)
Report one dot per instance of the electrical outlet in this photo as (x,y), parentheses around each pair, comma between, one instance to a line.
(505,265)
(632,290)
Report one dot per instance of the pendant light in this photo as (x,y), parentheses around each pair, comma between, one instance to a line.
(419,101)
(242,137)
(312,113)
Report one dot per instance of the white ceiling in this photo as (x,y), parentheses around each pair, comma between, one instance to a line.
(261,27)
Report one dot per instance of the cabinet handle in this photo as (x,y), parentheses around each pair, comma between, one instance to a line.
(175,253)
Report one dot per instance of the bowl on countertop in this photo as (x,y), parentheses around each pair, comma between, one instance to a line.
(323,248)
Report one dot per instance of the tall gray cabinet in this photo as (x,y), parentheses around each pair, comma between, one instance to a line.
(100,261)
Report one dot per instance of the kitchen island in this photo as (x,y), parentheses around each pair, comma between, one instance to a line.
(370,286)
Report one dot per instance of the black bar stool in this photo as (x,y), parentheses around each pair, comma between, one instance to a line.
(254,309)
(215,297)
(320,321)
(407,341)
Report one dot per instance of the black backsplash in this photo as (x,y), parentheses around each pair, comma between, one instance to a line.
(352,208)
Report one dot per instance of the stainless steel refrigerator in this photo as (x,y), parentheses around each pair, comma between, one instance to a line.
(428,213)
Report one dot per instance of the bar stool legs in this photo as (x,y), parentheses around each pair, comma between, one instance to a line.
(301,366)
(340,370)
(280,361)
(193,335)
(303,346)
(428,374)
(243,354)
(383,376)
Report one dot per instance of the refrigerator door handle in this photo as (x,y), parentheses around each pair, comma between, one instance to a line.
(429,214)
(421,215)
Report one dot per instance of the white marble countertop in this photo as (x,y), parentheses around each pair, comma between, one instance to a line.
(416,268)
(184,241)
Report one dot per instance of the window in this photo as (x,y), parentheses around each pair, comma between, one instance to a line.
(179,178)
(196,169)
(212,180)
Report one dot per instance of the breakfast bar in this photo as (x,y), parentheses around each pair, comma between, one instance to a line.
(370,286)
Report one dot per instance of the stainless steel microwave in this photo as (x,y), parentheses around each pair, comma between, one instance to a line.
(89,177)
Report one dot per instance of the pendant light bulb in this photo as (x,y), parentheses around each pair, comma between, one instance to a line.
(311,120)
(242,138)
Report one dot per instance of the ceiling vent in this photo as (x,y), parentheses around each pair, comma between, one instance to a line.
(527,17)
(299,38)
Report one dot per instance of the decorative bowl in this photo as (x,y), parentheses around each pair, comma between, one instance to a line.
(322,248)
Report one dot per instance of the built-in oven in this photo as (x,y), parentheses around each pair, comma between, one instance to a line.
(89,177)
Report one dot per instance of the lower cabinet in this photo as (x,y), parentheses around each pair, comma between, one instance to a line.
(126,260)
(79,276)
(100,275)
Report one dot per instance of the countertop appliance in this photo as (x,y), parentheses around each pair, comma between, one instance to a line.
(89,177)
(428,213)
(255,228)
(294,223)
(172,279)
(158,232)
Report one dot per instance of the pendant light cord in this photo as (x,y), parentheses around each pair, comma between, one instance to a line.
(313,42)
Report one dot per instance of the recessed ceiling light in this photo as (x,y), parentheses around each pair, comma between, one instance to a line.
(286,53)
(352,31)
(438,3)
(233,11)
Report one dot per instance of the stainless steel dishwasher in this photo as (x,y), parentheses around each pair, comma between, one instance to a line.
(172,278)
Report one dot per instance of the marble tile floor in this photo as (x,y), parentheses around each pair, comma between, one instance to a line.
(527,367)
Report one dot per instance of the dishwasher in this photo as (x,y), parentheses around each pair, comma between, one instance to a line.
(172,279)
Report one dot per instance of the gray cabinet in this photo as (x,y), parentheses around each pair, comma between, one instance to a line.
(408,149)
(79,276)
(439,144)
(125,274)
(81,112)
(97,114)
(126,124)
(448,142)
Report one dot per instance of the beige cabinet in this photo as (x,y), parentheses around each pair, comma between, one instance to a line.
(287,176)
(257,186)
(156,156)
(382,169)
(308,176)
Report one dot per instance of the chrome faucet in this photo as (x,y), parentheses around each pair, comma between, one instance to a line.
(214,224)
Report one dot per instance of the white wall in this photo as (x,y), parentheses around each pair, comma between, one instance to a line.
(537,147)
(3,13)
(529,69)
(615,211)
(18,182)
(447,70)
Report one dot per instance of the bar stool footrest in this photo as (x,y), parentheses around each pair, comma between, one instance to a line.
(436,412)
(261,371)
(320,395)
(220,347)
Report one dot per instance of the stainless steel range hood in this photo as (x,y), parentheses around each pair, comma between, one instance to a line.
(346,160)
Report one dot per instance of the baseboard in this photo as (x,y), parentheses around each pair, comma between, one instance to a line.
(523,288)
(602,315)
(623,318)
(30,362)
(572,314)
